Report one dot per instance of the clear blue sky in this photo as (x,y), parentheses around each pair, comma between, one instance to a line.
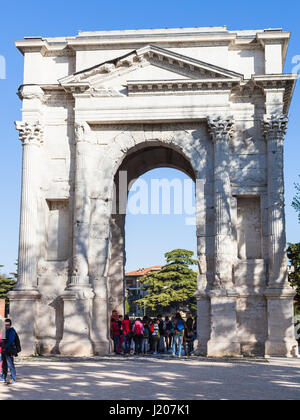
(60,18)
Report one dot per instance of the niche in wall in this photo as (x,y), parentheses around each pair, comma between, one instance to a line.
(249,235)
(58,231)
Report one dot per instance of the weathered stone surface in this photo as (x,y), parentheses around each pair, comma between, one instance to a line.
(91,117)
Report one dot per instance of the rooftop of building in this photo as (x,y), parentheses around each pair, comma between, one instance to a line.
(143,271)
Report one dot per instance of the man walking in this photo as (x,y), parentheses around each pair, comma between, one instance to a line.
(10,351)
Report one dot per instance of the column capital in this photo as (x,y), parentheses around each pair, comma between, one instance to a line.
(274,126)
(31,92)
(220,128)
(30,133)
(83,132)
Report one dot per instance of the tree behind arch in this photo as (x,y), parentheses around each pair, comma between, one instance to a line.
(173,287)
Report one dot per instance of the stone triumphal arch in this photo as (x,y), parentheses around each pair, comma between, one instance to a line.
(208,101)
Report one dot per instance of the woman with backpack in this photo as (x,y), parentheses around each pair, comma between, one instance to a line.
(138,331)
(178,335)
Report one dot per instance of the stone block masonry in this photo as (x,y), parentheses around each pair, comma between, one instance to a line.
(210,102)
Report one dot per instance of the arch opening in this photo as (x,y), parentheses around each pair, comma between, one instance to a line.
(171,170)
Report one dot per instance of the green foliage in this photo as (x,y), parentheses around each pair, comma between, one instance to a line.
(293,253)
(296,201)
(127,306)
(174,286)
(6,285)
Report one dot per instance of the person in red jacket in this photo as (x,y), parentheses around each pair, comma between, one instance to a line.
(115,331)
(126,334)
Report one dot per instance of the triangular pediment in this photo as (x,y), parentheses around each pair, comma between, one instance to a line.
(148,64)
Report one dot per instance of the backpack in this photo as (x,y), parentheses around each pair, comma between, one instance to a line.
(18,343)
(146,331)
(171,327)
(180,325)
(155,330)
(15,347)
(137,329)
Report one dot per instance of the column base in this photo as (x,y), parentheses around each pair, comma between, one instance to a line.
(101,348)
(79,348)
(281,334)
(77,322)
(223,338)
(281,348)
(203,323)
(100,325)
(223,348)
(23,313)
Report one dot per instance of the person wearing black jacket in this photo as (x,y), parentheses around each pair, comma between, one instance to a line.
(161,345)
(189,334)
(10,351)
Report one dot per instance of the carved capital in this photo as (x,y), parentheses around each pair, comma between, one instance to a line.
(274,126)
(220,128)
(83,132)
(31,92)
(30,133)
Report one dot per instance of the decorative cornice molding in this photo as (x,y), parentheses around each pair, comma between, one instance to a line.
(30,133)
(143,87)
(287,82)
(220,128)
(275,126)
(192,69)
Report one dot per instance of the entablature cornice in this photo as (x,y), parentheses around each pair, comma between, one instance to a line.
(178,86)
(184,37)
(287,82)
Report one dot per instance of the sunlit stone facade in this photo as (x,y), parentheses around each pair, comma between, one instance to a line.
(208,101)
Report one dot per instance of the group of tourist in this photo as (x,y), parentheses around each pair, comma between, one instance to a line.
(153,335)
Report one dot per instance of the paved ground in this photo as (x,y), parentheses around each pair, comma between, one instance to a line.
(151,378)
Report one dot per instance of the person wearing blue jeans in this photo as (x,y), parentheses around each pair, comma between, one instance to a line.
(10,351)
(177,342)
(145,345)
(127,341)
(178,335)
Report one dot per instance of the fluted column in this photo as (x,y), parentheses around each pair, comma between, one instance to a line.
(281,338)
(78,295)
(221,131)
(31,136)
(275,127)
(24,297)
(223,336)
(80,272)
